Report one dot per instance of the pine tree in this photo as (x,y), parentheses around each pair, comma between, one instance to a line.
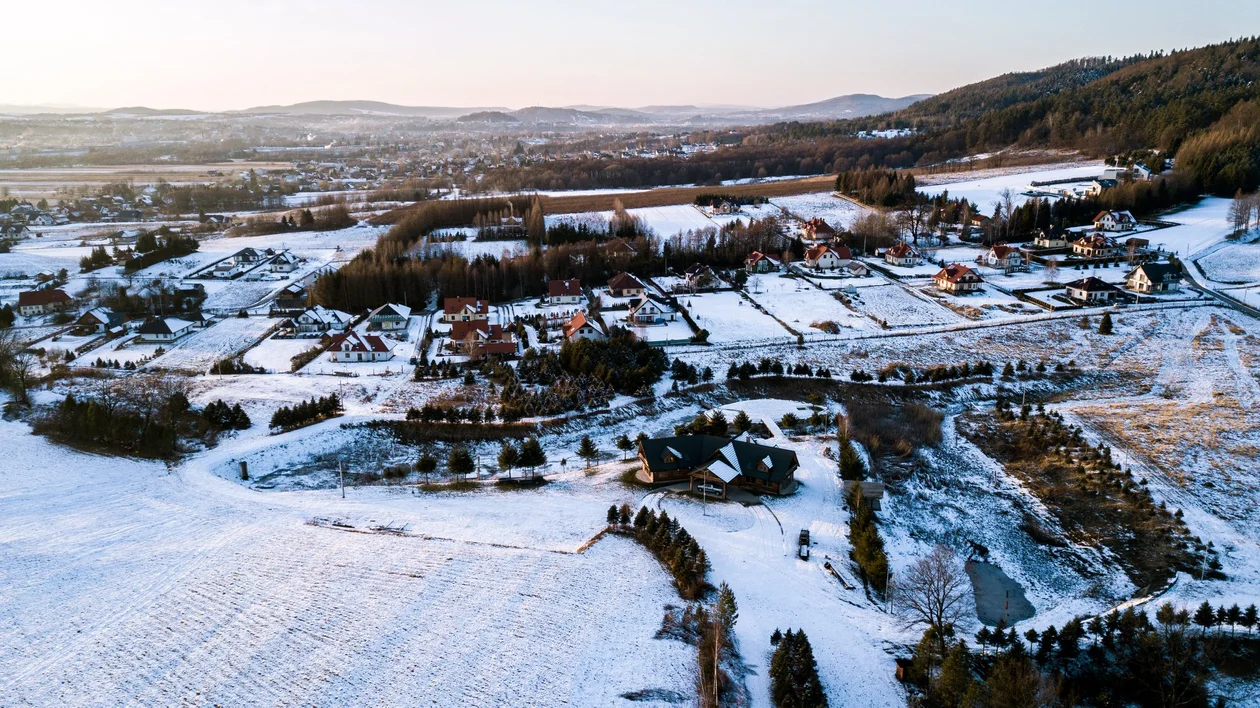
(587,450)
(612,515)
(460,461)
(509,457)
(1104,327)
(743,423)
(625,445)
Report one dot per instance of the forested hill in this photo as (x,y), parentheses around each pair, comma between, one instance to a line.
(1204,99)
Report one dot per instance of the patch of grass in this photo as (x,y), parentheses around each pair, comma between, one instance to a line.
(887,428)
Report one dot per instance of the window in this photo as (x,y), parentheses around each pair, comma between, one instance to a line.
(668,458)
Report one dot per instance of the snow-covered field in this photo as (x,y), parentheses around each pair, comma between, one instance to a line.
(839,213)
(200,350)
(730,318)
(799,303)
(1234,263)
(984,192)
(664,220)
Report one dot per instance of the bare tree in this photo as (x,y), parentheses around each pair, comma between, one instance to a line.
(934,590)
(21,369)
(1052,269)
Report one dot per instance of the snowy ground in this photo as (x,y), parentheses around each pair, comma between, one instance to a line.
(985,191)
(799,303)
(200,350)
(730,317)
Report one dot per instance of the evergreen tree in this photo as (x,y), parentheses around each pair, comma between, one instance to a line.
(460,461)
(509,457)
(587,450)
(1104,327)
(625,445)
(743,423)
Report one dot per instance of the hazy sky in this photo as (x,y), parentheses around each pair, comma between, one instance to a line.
(224,54)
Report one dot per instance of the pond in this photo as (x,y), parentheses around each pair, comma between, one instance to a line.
(998,597)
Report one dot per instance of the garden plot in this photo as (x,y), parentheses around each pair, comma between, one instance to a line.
(844,283)
(222,340)
(123,350)
(987,303)
(275,355)
(668,332)
(897,308)
(730,318)
(231,296)
(799,304)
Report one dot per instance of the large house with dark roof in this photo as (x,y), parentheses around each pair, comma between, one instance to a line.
(564,292)
(41,302)
(1092,290)
(714,464)
(625,285)
(1153,278)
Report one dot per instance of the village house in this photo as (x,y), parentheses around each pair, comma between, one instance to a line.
(723,208)
(713,464)
(389,318)
(1053,237)
(164,329)
(286,262)
(564,292)
(1094,246)
(625,285)
(1153,278)
(494,340)
(957,278)
(98,321)
(354,347)
(1100,185)
(321,320)
(827,257)
(699,276)
(644,311)
(1003,256)
(42,302)
(618,248)
(1114,221)
(856,269)
(902,254)
(758,262)
(1091,291)
(818,230)
(581,327)
(465,309)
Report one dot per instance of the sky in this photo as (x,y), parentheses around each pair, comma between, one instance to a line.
(232,54)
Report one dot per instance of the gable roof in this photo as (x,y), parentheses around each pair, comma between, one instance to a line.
(1092,285)
(757,256)
(359,342)
(164,325)
(957,273)
(817,252)
(1003,251)
(325,315)
(625,281)
(52,296)
(455,305)
(564,288)
(1156,272)
(392,311)
(901,249)
(644,302)
(577,322)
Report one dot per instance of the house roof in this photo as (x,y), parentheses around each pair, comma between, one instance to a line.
(757,256)
(461,330)
(1003,251)
(714,452)
(902,249)
(564,288)
(818,226)
(164,325)
(1092,285)
(454,305)
(957,273)
(1156,272)
(644,303)
(619,245)
(624,281)
(101,315)
(577,322)
(52,296)
(1094,240)
(1121,217)
(392,311)
(817,252)
(359,342)
(324,315)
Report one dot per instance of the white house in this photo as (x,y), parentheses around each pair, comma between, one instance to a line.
(564,292)
(758,262)
(827,257)
(1003,256)
(284,263)
(579,327)
(320,319)
(1094,246)
(355,347)
(165,329)
(902,254)
(1153,278)
(1114,221)
(389,317)
(645,312)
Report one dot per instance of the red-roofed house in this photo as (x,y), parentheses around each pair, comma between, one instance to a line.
(41,302)
(352,346)
(1003,256)
(957,278)
(818,230)
(465,309)
(902,254)
(625,285)
(758,262)
(1094,246)
(582,328)
(827,257)
(1114,221)
(564,292)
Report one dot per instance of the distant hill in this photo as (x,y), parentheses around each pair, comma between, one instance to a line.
(489,117)
(145,111)
(332,108)
(855,105)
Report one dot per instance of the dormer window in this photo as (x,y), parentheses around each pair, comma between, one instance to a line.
(668,458)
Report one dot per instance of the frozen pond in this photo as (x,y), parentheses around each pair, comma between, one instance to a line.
(997,596)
